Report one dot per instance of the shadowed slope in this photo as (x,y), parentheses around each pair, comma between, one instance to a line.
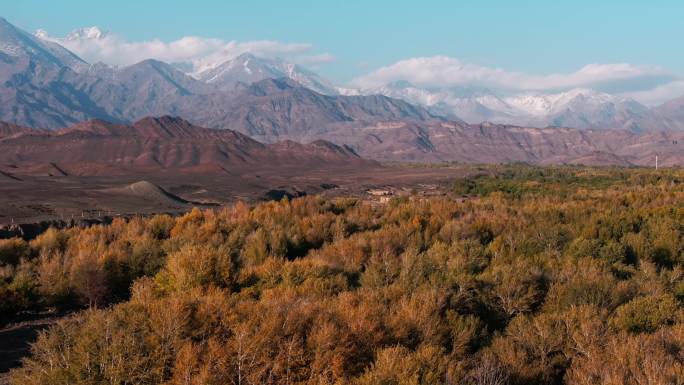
(150,192)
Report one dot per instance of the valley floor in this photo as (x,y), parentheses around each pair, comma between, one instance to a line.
(32,199)
(502,274)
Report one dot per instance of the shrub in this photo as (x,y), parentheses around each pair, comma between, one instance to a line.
(565,275)
(646,314)
(12,251)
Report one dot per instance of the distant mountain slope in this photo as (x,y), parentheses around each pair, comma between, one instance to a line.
(584,108)
(47,100)
(673,110)
(152,145)
(579,108)
(19,50)
(31,92)
(49,91)
(147,88)
(272,109)
(495,143)
(248,69)
(165,143)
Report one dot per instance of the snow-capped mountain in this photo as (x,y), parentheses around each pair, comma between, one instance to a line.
(472,104)
(673,110)
(580,108)
(19,49)
(585,108)
(45,85)
(550,104)
(248,68)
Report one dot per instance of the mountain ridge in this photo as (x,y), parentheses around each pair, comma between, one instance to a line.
(437,142)
(172,143)
(248,68)
(161,143)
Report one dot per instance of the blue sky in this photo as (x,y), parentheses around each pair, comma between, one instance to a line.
(534,37)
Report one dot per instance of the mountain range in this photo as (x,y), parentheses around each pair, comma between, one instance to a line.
(46,86)
(167,143)
(152,145)
(578,108)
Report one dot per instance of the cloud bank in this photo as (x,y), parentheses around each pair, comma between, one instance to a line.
(444,71)
(659,94)
(200,53)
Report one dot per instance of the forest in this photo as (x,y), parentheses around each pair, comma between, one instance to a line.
(520,275)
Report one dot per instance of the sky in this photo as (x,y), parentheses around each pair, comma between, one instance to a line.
(520,45)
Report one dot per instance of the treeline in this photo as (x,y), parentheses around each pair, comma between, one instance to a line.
(564,276)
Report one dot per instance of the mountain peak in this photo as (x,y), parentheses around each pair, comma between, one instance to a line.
(245,56)
(165,126)
(165,122)
(161,121)
(151,63)
(155,66)
(248,68)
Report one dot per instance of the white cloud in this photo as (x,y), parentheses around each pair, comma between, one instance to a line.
(316,59)
(659,94)
(93,45)
(444,71)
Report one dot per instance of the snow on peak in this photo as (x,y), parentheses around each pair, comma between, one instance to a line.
(544,104)
(41,34)
(579,106)
(245,65)
(248,68)
(87,33)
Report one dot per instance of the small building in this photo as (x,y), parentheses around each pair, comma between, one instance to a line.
(379,192)
(380,195)
(385,198)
